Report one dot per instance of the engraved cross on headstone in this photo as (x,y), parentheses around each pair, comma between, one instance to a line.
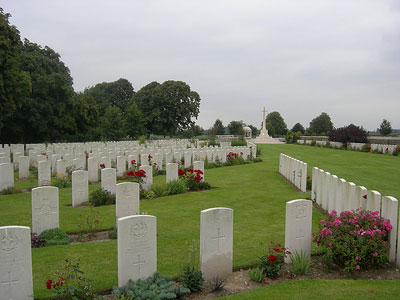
(218,237)
(138,263)
(46,208)
(294,176)
(9,285)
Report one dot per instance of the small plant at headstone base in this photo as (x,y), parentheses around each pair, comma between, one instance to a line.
(313,143)
(113,233)
(192,277)
(217,284)
(36,241)
(354,240)
(396,151)
(10,190)
(366,148)
(142,140)
(160,190)
(256,274)
(258,152)
(155,287)
(147,194)
(292,137)
(88,223)
(71,283)
(273,260)
(234,159)
(193,180)
(176,187)
(62,181)
(54,237)
(300,263)
(101,197)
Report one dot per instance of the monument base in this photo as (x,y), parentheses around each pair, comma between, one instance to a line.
(264,138)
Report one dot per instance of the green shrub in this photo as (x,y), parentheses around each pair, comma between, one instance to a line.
(238,142)
(273,261)
(300,263)
(396,151)
(192,279)
(11,190)
(156,287)
(354,240)
(147,194)
(366,148)
(160,190)
(63,182)
(176,187)
(313,143)
(101,197)
(292,137)
(197,186)
(142,140)
(256,274)
(55,237)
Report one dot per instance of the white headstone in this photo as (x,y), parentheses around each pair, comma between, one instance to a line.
(23,167)
(216,242)
(172,172)
(127,199)
(15,263)
(362,195)
(44,173)
(298,227)
(148,180)
(109,180)
(199,165)
(6,176)
(390,207)
(44,208)
(93,170)
(374,201)
(188,159)
(121,165)
(80,187)
(137,248)
(61,168)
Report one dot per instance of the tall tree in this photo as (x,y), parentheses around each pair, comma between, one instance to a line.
(134,121)
(113,124)
(254,130)
(218,128)
(117,93)
(385,127)
(298,128)
(277,122)
(321,124)
(168,107)
(236,128)
(15,84)
(348,134)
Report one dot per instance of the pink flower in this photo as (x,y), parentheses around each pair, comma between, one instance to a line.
(375,254)
(358,267)
(322,221)
(330,244)
(358,258)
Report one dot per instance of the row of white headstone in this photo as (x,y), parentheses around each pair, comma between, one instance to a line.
(334,193)
(294,170)
(137,245)
(384,148)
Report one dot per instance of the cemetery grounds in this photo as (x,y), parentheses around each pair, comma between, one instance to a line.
(256,193)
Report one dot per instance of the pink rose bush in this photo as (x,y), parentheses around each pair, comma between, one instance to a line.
(354,240)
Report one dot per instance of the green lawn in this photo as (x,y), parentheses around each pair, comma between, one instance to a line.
(256,192)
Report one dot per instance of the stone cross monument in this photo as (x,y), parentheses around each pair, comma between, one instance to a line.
(264,138)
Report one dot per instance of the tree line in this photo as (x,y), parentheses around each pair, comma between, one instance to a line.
(39,104)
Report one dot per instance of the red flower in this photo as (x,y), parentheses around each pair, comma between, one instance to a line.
(141,173)
(190,170)
(60,281)
(102,165)
(271,258)
(198,178)
(181,172)
(48,284)
(150,157)
(130,173)
(365,196)
(154,164)
(133,162)
(277,250)
(199,172)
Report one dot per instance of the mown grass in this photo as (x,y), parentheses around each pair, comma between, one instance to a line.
(256,192)
(323,289)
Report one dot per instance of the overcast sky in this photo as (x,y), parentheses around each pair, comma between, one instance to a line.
(300,58)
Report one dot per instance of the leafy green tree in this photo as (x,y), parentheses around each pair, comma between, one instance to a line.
(168,107)
(385,128)
(134,121)
(15,84)
(236,128)
(254,130)
(218,128)
(117,93)
(277,122)
(270,128)
(191,132)
(320,124)
(113,124)
(298,128)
